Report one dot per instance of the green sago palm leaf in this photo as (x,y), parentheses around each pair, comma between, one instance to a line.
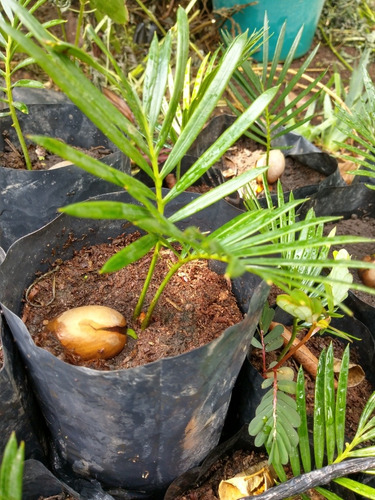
(329,405)
(340,410)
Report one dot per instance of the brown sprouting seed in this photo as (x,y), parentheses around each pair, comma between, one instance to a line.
(91,332)
(368,275)
(276,165)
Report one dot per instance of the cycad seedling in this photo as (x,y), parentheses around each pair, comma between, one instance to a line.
(331,134)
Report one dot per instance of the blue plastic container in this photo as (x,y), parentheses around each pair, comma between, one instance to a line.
(297,13)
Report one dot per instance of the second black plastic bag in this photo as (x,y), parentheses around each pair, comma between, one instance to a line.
(30,198)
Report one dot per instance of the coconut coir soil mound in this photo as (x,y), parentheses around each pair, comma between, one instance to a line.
(195,308)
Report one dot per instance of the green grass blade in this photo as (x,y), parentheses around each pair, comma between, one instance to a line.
(340,412)
(358,488)
(319,414)
(303,432)
(329,405)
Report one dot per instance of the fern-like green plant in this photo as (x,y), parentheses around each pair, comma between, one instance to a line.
(361,130)
(328,456)
(276,420)
(330,445)
(331,133)
(247,84)
(11,470)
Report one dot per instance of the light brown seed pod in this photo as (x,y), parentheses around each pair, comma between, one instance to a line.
(368,275)
(91,332)
(276,165)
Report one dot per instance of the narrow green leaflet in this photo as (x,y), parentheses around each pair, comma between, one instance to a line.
(131,253)
(329,405)
(340,410)
(32,84)
(303,432)
(329,495)
(156,78)
(319,414)
(214,195)
(206,105)
(182,28)
(214,152)
(360,489)
(153,223)
(11,470)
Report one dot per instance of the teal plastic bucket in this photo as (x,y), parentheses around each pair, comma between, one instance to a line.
(296,13)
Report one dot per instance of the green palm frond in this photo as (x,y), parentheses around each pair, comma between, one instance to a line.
(361,130)
(282,116)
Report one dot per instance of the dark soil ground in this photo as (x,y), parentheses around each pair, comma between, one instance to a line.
(42,159)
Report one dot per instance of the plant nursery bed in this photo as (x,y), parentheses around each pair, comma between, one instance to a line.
(195,308)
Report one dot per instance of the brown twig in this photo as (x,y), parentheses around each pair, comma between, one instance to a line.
(33,304)
(303,354)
